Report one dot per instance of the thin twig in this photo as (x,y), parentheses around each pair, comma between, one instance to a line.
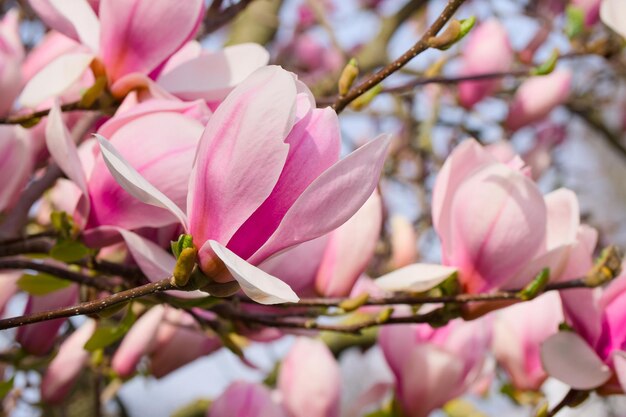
(26,119)
(213,21)
(418,48)
(90,307)
(57,271)
(573,397)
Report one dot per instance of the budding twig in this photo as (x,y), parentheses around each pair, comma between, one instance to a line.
(421,45)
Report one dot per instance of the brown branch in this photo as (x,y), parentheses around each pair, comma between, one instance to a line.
(418,48)
(30,118)
(215,18)
(89,307)
(57,271)
(571,399)
(26,246)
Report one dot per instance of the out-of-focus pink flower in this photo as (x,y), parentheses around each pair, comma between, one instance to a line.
(613,14)
(488,50)
(590,9)
(349,249)
(309,380)
(519,331)
(170,338)
(11,55)
(16,163)
(403,242)
(66,366)
(594,356)
(9,287)
(39,338)
(537,97)
(246,399)
(126,37)
(482,210)
(433,366)
(266,178)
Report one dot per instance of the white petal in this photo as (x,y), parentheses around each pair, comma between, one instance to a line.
(80,14)
(257,284)
(63,149)
(613,14)
(55,78)
(568,358)
(132,181)
(415,277)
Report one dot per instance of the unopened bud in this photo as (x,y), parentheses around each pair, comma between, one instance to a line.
(352,304)
(454,32)
(348,75)
(185,264)
(366,98)
(536,286)
(184,241)
(548,66)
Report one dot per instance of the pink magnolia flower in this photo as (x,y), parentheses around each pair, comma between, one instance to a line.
(125,37)
(170,338)
(11,55)
(39,338)
(518,333)
(246,399)
(309,380)
(266,178)
(594,355)
(67,365)
(433,366)
(488,50)
(536,98)
(403,242)
(613,14)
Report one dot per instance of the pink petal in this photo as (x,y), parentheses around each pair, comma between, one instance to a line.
(498,220)
(39,338)
(67,365)
(52,45)
(55,79)
(255,283)
(211,76)
(309,380)
(537,97)
(568,358)
(139,340)
(415,278)
(135,38)
(349,250)
(16,163)
(241,154)
(403,242)
(331,199)
(75,19)
(466,158)
(563,218)
(134,183)
(246,399)
(313,147)
(63,149)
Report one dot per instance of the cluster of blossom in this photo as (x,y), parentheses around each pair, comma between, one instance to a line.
(235,153)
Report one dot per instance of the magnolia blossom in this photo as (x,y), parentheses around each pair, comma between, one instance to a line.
(266,177)
(246,399)
(488,50)
(170,338)
(67,365)
(433,366)
(537,96)
(309,380)
(16,163)
(518,333)
(593,356)
(590,9)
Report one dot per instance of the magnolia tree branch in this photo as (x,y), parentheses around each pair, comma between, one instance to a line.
(90,307)
(421,46)
(34,117)
(216,18)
